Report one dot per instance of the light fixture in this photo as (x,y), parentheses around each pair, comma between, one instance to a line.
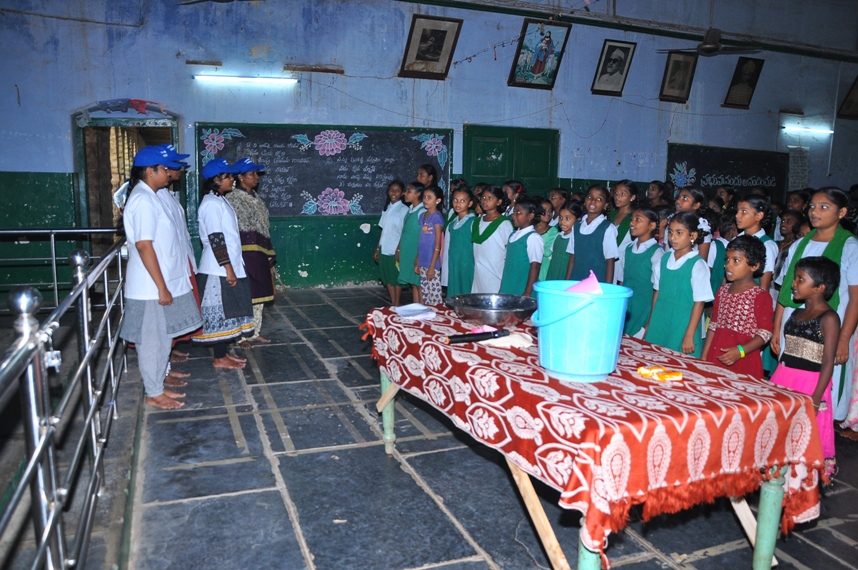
(236,80)
(796,129)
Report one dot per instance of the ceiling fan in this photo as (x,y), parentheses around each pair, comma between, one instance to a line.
(711,45)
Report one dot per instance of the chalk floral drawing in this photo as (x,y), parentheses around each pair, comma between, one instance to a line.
(214,139)
(330,142)
(682,177)
(331,202)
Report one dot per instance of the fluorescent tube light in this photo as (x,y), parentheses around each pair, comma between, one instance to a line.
(808,130)
(235,80)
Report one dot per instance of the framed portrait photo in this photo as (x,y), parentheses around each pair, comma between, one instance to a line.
(743,83)
(540,50)
(613,68)
(678,76)
(849,107)
(430,47)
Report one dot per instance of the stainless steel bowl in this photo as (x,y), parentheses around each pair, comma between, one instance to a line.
(495,310)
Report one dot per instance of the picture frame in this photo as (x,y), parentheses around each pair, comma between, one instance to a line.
(849,108)
(537,58)
(678,76)
(429,50)
(743,83)
(613,68)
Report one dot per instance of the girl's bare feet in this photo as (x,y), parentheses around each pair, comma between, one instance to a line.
(173,395)
(178,356)
(164,402)
(177,374)
(241,361)
(227,363)
(174,382)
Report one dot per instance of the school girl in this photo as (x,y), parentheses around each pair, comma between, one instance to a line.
(457,258)
(728,196)
(741,323)
(595,244)
(524,250)
(681,283)
(512,189)
(658,195)
(752,212)
(490,236)
(570,213)
(159,302)
(717,252)
(693,200)
(624,196)
(542,226)
(449,214)
(558,198)
(811,333)
(226,306)
(392,219)
(636,266)
(406,253)
(428,262)
(827,239)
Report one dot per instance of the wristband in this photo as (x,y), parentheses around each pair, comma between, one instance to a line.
(741,351)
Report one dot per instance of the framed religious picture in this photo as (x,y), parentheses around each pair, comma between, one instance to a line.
(614,65)
(849,107)
(678,76)
(540,49)
(430,47)
(743,83)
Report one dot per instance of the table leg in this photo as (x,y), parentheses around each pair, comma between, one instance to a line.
(587,559)
(749,523)
(769,518)
(540,520)
(387,412)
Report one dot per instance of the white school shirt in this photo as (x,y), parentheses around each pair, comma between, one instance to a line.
(490,257)
(554,222)
(637,248)
(609,243)
(217,216)
(445,253)
(391,222)
(146,219)
(701,289)
(771,251)
(848,276)
(174,208)
(535,243)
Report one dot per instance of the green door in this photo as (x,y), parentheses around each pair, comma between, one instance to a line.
(497,154)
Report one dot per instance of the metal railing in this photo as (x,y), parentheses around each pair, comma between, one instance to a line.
(51,233)
(91,390)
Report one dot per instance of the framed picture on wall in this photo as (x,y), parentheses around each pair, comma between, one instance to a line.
(540,50)
(430,47)
(849,107)
(744,82)
(678,76)
(614,65)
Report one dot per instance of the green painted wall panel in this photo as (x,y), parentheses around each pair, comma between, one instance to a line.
(37,199)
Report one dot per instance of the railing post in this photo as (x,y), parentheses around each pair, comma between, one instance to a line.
(25,302)
(79,260)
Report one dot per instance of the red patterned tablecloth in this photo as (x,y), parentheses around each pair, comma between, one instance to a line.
(609,445)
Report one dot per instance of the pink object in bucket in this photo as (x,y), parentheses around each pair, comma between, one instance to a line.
(588,285)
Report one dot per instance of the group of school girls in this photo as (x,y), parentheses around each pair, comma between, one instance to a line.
(168,297)
(707,279)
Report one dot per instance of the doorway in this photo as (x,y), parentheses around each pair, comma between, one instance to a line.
(498,154)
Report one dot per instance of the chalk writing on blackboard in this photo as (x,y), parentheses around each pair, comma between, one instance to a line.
(333,170)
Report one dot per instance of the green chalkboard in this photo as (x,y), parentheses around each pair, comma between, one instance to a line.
(317,170)
(710,167)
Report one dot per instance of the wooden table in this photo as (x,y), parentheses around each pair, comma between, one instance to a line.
(610,445)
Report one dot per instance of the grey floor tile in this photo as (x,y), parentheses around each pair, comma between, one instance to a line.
(286,364)
(341,341)
(318,427)
(316,392)
(356,370)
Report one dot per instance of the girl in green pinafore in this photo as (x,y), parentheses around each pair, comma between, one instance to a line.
(542,225)
(636,266)
(569,214)
(406,253)
(624,196)
(523,251)
(594,246)
(457,261)
(681,283)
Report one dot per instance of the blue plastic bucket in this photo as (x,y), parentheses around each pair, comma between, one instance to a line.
(579,333)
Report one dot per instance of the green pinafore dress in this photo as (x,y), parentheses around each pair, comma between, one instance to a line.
(516,268)
(559,259)
(673,307)
(589,254)
(408,247)
(460,258)
(637,276)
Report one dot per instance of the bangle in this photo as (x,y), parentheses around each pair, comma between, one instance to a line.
(437,249)
(741,351)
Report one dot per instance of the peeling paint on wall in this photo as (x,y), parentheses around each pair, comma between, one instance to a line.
(365,228)
(302,273)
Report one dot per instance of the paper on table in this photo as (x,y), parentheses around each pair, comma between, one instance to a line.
(415,311)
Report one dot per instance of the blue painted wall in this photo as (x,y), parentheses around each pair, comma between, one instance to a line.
(63,55)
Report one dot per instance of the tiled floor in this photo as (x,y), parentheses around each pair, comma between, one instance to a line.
(282,465)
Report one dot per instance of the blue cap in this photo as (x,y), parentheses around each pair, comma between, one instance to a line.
(173,153)
(154,156)
(215,167)
(247,165)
